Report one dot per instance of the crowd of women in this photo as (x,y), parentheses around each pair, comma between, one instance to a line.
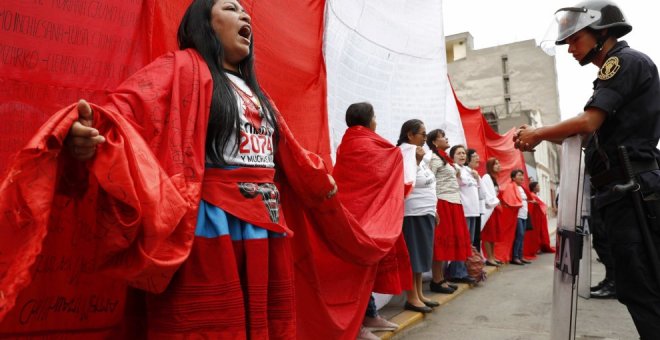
(451,212)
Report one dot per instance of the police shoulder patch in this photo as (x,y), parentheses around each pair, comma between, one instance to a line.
(609,69)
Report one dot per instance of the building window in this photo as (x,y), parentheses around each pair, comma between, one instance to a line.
(505,64)
(505,84)
(491,118)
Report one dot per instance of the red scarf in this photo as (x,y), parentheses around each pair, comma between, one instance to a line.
(443,154)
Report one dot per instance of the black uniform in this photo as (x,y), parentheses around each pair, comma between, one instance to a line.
(601,245)
(628,90)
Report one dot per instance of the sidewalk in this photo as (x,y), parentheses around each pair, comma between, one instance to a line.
(394,311)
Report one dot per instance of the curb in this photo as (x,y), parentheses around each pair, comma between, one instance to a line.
(406,319)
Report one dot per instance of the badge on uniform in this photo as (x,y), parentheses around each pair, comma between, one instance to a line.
(609,69)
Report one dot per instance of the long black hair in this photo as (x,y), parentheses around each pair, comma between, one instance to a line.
(196,32)
(412,125)
(431,137)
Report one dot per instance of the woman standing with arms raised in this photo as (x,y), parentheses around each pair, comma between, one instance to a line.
(171,186)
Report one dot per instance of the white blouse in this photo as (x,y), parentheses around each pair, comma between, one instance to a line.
(422,200)
(490,198)
(469,192)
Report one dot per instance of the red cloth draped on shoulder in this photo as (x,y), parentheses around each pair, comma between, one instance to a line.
(511,202)
(130,222)
(69,251)
(369,175)
(335,277)
(537,239)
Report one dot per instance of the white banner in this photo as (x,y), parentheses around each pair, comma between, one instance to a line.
(390,53)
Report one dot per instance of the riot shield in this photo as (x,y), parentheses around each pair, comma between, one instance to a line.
(568,241)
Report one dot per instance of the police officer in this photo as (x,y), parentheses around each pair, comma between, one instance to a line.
(624,110)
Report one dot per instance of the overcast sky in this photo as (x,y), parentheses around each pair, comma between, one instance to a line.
(499,22)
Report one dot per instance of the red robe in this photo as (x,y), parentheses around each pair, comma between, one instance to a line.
(69,251)
(538,238)
(511,202)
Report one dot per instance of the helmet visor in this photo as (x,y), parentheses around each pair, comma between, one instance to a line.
(572,19)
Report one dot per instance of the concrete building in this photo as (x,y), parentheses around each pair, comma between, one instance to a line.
(513,84)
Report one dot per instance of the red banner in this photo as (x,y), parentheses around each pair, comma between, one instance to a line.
(488,143)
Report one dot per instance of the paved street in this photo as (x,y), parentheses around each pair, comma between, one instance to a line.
(516,303)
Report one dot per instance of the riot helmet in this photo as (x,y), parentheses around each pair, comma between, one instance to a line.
(595,14)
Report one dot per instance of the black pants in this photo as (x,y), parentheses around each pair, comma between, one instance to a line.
(636,285)
(601,242)
(476,240)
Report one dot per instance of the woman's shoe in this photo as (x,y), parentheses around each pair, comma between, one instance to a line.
(439,288)
(499,262)
(517,262)
(411,307)
(452,286)
(492,264)
(430,303)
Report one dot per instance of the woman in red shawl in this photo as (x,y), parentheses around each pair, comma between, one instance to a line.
(365,162)
(188,197)
(538,239)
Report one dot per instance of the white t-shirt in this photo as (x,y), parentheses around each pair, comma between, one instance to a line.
(522,212)
(422,199)
(256,147)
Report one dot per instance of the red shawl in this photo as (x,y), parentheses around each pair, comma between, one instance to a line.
(445,156)
(511,202)
(538,238)
(69,251)
(369,174)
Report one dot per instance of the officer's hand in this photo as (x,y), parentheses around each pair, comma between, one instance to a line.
(525,138)
(82,138)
